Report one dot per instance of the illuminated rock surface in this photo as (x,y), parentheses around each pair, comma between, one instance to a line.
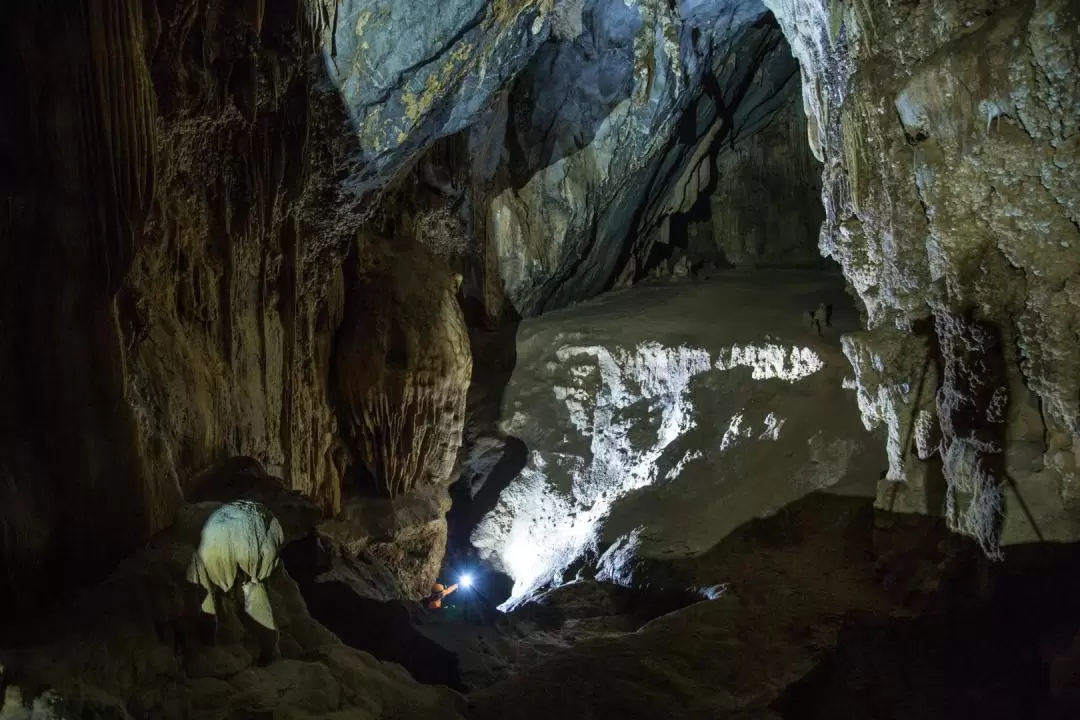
(666,416)
(949,134)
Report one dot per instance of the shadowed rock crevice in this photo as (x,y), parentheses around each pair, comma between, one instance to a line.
(1019,667)
(336,596)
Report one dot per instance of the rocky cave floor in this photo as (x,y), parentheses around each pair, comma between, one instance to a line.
(828,609)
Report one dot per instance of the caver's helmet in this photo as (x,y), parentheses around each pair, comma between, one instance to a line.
(437,588)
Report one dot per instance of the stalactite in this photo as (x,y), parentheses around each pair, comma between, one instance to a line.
(403,365)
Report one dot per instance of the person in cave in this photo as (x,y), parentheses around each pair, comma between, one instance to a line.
(439,592)
(822,317)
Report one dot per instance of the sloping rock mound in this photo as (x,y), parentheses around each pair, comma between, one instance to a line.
(137,646)
(355,601)
(668,416)
(490,646)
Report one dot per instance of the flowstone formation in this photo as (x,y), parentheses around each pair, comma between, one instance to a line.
(949,134)
(402,366)
(239,537)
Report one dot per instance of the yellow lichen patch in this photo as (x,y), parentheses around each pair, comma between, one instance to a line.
(503,11)
(437,83)
(414,106)
(362,21)
(373,131)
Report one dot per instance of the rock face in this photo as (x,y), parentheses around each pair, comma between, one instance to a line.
(657,420)
(607,134)
(407,75)
(406,535)
(829,610)
(149,652)
(952,190)
(402,366)
(181,267)
(176,223)
(766,208)
(171,259)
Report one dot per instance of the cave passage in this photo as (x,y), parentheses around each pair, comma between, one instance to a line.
(539,358)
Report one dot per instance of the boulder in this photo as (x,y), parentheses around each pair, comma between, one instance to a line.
(659,419)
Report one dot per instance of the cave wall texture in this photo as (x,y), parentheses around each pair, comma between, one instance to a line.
(185,183)
(570,177)
(774,163)
(178,217)
(949,136)
(172,273)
